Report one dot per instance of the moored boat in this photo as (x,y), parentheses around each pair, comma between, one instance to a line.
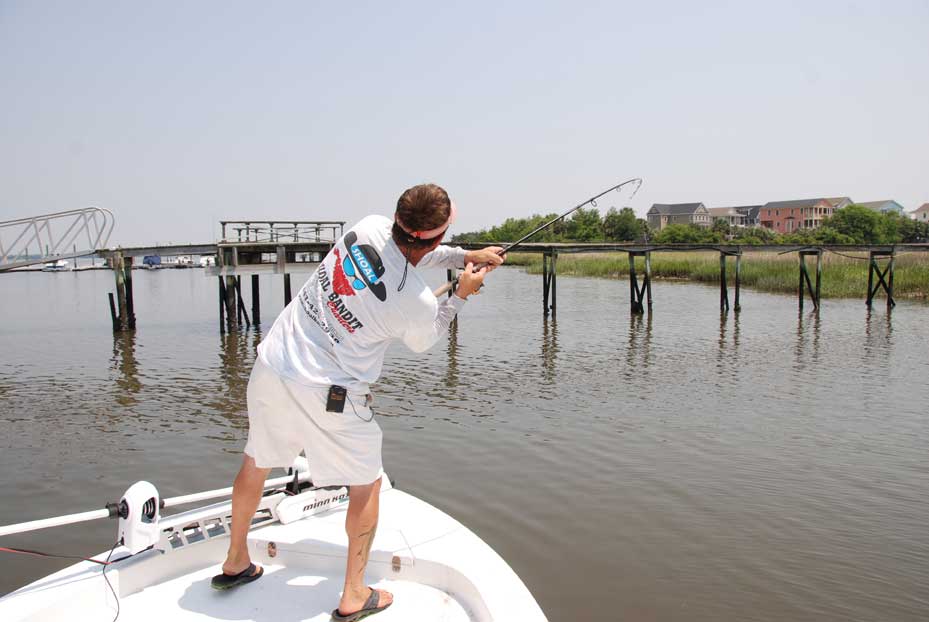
(161,568)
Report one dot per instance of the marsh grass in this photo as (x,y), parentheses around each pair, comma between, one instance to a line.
(842,277)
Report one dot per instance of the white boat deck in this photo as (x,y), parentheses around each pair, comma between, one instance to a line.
(282,595)
(437,569)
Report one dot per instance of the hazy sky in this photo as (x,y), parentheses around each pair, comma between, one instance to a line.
(175,115)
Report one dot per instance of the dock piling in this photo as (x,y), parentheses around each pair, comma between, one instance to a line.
(222,306)
(122,269)
(648,278)
(256,301)
(240,303)
(805,277)
(287,295)
(874,269)
(549,281)
(738,281)
(232,317)
(636,292)
(723,290)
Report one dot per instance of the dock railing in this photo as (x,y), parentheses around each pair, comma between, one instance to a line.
(282,230)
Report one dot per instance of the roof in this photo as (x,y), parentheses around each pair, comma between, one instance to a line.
(797,203)
(675,209)
(836,200)
(877,205)
(724,211)
(922,208)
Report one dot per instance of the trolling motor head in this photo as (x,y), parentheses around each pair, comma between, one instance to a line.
(139,511)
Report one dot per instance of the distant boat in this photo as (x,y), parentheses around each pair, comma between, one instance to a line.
(56,266)
(151,262)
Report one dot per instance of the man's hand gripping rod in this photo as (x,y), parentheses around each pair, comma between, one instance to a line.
(592,200)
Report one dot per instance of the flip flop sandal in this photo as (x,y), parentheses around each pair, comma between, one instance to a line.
(228,581)
(370,608)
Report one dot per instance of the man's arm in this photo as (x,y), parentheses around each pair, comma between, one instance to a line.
(457,257)
(421,336)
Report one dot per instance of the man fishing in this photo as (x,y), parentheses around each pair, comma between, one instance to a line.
(309,388)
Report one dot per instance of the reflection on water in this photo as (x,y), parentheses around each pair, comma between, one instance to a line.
(549,348)
(639,350)
(451,370)
(125,369)
(808,332)
(759,465)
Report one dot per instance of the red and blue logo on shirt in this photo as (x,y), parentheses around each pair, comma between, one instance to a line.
(360,269)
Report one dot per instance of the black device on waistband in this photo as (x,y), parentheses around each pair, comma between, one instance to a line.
(335,401)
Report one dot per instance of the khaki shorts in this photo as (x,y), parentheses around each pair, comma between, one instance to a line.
(285,417)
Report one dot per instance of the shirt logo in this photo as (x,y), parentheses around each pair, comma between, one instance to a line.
(360,269)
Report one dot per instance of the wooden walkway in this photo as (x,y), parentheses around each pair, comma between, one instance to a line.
(286,247)
(880,267)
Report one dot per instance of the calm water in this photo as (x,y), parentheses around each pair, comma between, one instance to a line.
(684,466)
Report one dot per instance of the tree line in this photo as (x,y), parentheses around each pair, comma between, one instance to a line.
(853,224)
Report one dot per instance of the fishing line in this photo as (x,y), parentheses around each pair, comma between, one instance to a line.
(503,251)
(35,553)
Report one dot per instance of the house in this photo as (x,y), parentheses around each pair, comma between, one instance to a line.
(885,207)
(749,213)
(733,217)
(839,202)
(663,214)
(790,216)
(921,213)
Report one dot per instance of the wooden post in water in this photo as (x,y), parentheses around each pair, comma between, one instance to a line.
(805,278)
(232,318)
(723,291)
(545,283)
(256,301)
(113,316)
(819,276)
(449,276)
(222,306)
(635,305)
(118,264)
(875,270)
(287,295)
(738,280)
(890,288)
(554,277)
(240,303)
(230,259)
(648,278)
(238,295)
(130,304)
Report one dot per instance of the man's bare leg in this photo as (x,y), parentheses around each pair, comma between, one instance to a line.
(246,493)
(360,525)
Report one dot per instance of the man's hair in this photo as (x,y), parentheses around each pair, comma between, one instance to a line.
(420,208)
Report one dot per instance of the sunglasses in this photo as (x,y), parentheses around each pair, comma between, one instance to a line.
(349,269)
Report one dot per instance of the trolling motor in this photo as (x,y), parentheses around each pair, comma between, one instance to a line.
(139,511)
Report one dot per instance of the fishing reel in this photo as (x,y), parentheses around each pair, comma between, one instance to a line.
(139,512)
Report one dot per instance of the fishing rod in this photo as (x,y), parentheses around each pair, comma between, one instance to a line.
(591,201)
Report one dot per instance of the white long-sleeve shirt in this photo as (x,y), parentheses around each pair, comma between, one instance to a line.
(337,329)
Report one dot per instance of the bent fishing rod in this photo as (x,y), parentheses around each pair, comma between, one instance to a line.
(503,251)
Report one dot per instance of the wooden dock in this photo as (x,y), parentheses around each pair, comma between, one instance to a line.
(251,248)
(880,267)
